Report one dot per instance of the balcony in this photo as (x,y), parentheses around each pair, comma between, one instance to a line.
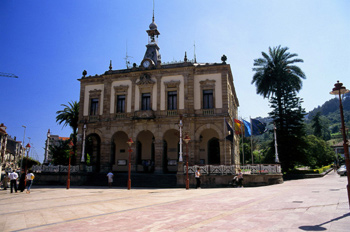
(120,115)
(94,118)
(144,114)
(172,113)
(208,111)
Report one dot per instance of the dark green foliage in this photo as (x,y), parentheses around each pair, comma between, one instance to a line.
(60,153)
(290,130)
(70,116)
(278,79)
(317,125)
(318,152)
(30,162)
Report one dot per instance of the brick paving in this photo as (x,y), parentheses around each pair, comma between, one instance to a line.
(318,204)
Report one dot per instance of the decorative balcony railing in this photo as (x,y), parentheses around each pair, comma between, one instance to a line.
(120,115)
(144,114)
(232,169)
(57,168)
(208,111)
(93,118)
(172,113)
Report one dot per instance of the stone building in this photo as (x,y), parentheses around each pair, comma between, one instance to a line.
(145,103)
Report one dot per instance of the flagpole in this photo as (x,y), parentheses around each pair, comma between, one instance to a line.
(242,139)
(276,151)
(225,139)
(251,139)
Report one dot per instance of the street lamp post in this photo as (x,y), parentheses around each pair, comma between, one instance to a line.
(26,167)
(46,161)
(187,139)
(180,127)
(339,89)
(69,160)
(129,142)
(83,148)
(23,148)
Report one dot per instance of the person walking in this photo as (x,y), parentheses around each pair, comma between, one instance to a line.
(22,178)
(198,178)
(240,178)
(5,181)
(29,179)
(13,180)
(110,178)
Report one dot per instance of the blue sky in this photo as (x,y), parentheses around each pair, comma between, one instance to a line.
(49,43)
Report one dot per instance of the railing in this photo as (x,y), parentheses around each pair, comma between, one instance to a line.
(171,112)
(120,115)
(93,118)
(57,169)
(232,169)
(208,111)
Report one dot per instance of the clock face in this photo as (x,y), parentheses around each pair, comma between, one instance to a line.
(146,63)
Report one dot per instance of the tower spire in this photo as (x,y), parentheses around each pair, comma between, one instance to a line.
(153,13)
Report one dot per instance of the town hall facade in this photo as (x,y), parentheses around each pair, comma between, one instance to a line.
(145,103)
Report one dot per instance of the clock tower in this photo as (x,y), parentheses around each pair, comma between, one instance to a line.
(152,56)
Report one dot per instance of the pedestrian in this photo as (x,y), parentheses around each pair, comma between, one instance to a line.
(30,178)
(22,184)
(13,180)
(240,178)
(110,178)
(198,178)
(5,181)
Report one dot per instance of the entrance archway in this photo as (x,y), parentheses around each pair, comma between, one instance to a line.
(214,151)
(119,151)
(93,147)
(145,158)
(171,151)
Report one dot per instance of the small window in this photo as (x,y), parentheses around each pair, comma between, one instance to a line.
(94,106)
(146,101)
(121,104)
(208,99)
(172,100)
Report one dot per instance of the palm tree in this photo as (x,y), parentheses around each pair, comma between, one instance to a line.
(275,72)
(70,116)
(276,75)
(279,79)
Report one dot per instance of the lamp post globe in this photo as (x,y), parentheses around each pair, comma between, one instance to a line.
(339,89)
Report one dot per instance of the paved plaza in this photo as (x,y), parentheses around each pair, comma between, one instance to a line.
(318,204)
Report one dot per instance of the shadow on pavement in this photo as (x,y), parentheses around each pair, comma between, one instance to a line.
(319,227)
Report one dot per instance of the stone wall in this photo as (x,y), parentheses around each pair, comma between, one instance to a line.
(215,181)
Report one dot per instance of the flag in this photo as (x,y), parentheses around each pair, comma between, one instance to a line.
(238,126)
(258,127)
(230,130)
(247,132)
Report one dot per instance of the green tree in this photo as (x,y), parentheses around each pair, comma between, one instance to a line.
(317,125)
(290,133)
(318,152)
(277,78)
(60,153)
(30,162)
(69,116)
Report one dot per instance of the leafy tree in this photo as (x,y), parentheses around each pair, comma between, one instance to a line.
(30,162)
(290,132)
(318,152)
(70,116)
(317,125)
(60,153)
(276,77)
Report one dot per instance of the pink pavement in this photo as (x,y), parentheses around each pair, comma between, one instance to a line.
(318,204)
